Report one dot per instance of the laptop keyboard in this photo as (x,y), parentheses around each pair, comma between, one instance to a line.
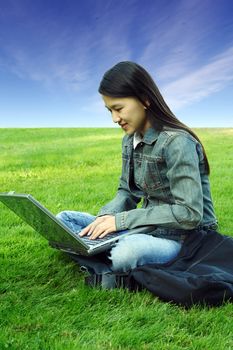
(93,242)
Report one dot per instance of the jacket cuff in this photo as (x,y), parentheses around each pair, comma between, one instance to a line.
(121,221)
(103,212)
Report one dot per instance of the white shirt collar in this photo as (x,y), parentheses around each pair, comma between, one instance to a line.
(137,138)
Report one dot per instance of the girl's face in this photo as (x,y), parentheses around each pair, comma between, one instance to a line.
(128,112)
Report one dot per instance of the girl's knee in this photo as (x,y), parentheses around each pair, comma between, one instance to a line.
(123,257)
(136,250)
(62,215)
(76,220)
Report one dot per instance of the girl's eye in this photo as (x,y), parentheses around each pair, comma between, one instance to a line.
(116,109)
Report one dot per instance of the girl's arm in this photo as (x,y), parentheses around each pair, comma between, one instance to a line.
(123,201)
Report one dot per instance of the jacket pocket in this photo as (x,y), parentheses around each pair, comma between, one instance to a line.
(150,176)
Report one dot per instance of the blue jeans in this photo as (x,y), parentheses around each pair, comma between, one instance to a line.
(130,251)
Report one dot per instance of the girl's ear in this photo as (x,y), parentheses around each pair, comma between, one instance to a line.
(147,103)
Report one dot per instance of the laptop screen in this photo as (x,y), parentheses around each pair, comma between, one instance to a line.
(31,211)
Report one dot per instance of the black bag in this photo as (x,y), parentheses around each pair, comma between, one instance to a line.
(98,273)
(202,273)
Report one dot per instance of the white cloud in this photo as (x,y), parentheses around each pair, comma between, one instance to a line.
(201,83)
(69,56)
(181,54)
(177,39)
(48,67)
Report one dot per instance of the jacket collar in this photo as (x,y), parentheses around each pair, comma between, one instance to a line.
(150,136)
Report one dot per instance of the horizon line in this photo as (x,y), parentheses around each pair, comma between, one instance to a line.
(99,127)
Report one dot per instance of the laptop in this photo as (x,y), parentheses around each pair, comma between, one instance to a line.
(55,231)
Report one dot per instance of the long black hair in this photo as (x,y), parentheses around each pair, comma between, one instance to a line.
(129,79)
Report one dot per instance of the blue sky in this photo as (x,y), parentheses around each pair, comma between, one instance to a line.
(54,53)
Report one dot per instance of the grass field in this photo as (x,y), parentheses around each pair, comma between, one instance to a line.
(43,301)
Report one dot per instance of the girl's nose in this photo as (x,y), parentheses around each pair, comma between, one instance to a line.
(115,117)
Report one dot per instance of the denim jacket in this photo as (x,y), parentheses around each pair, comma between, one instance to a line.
(167,171)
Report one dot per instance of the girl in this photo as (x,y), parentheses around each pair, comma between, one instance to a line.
(163,163)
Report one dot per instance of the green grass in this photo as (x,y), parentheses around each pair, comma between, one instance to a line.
(43,301)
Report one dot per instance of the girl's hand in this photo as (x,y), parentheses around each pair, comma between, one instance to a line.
(101,227)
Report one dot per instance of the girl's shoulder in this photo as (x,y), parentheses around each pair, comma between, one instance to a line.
(169,134)
(164,137)
(179,140)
